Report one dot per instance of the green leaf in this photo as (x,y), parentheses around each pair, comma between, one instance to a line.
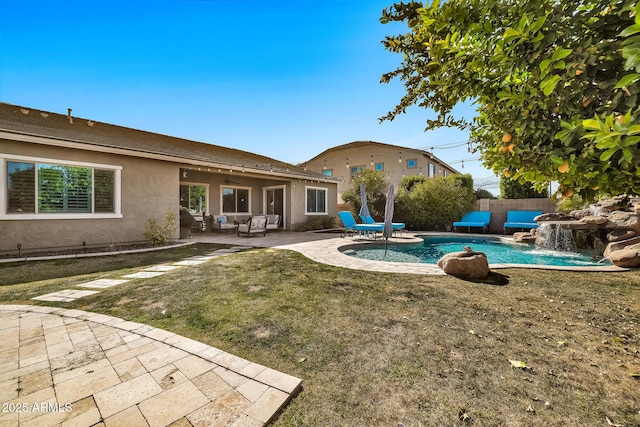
(633,29)
(549,84)
(545,64)
(561,53)
(560,65)
(537,24)
(607,154)
(628,80)
(592,124)
(510,34)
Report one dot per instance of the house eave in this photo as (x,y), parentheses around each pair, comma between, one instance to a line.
(186,162)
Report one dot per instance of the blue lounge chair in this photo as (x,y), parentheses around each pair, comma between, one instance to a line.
(480,219)
(521,220)
(394,225)
(351,225)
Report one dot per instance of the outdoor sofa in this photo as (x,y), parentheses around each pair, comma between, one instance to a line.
(255,225)
(223,223)
(273,222)
(521,220)
(475,219)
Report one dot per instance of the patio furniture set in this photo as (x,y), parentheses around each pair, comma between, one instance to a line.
(474,219)
(515,219)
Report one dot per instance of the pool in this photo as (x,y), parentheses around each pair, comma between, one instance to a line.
(499,251)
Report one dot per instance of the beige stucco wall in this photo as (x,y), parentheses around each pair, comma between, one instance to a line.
(299,196)
(364,155)
(149,189)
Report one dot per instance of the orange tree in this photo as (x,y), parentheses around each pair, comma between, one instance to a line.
(555,84)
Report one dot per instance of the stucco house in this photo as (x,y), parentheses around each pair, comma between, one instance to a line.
(343,161)
(65,180)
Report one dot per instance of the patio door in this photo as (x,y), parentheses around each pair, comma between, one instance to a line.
(274,202)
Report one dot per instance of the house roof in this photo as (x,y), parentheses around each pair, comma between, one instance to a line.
(364,144)
(57,128)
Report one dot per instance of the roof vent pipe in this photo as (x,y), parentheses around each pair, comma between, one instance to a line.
(69,115)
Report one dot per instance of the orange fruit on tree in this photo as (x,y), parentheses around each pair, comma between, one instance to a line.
(564,168)
(507,173)
(503,149)
(510,147)
(506,138)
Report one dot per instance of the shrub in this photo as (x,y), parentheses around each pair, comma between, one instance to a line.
(433,203)
(375,185)
(320,222)
(159,234)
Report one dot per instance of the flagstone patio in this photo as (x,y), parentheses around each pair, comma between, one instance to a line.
(76,368)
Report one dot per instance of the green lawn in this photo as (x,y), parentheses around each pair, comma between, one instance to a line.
(394,349)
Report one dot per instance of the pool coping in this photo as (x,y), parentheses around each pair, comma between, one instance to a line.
(330,251)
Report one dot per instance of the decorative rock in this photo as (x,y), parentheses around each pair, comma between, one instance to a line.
(580,213)
(614,204)
(465,265)
(617,246)
(624,220)
(524,237)
(628,257)
(636,208)
(593,220)
(619,235)
(554,216)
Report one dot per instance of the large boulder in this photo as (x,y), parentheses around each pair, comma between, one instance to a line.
(467,264)
(616,246)
(618,235)
(628,257)
(553,216)
(624,220)
(593,220)
(524,237)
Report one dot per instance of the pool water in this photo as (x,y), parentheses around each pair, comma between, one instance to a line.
(498,252)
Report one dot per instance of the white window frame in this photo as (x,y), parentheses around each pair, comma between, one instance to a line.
(235,187)
(326,200)
(208,193)
(4,180)
(284,200)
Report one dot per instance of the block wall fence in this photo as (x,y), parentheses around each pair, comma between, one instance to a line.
(499,208)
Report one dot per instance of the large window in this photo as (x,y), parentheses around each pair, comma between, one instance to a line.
(235,200)
(38,187)
(194,198)
(316,201)
(356,169)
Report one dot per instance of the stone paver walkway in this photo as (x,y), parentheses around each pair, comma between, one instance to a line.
(76,368)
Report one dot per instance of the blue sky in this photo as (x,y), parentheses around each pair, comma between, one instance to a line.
(285,79)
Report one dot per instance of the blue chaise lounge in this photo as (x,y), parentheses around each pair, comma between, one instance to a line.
(521,219)
(479,219)
(394,225)
(350,225)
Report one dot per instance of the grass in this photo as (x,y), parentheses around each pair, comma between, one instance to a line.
(398,349)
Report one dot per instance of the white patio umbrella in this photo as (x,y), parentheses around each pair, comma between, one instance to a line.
(364,208)
(388,217)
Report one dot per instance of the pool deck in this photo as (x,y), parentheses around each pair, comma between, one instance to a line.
(327,248)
